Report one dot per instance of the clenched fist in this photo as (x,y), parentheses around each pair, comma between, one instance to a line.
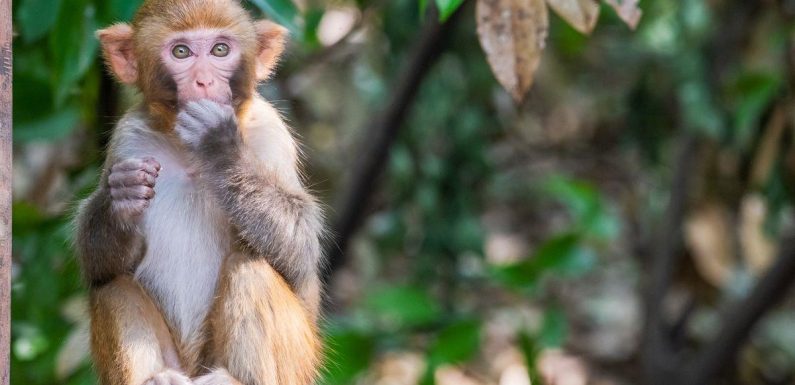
(131,183)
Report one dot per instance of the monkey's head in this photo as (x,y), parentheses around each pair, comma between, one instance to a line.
(177,51)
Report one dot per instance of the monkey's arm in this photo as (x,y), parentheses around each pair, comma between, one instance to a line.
(275,218)
(109,242)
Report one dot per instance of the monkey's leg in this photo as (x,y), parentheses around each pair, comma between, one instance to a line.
(259,331)
(130,341)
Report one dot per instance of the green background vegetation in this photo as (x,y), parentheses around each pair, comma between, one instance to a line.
(577,178)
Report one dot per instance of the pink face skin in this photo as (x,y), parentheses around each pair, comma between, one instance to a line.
(202,62)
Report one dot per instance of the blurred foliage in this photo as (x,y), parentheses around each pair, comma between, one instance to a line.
(577,173)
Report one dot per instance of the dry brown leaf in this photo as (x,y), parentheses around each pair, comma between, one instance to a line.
(759,249)
(397,368)
(451,375)
(558,368)
(708,235)
(627,10)
(515,375)
(513,34)
(580,14)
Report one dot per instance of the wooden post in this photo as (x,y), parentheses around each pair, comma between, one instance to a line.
(5,189)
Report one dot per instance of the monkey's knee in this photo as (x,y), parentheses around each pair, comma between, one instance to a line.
(260,330)
(130,340)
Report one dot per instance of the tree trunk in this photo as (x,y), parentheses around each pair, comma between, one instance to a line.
(5,189)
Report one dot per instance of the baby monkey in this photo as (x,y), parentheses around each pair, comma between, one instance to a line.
(200,246)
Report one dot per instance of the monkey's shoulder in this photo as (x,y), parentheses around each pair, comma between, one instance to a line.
(266,133)
(262,117)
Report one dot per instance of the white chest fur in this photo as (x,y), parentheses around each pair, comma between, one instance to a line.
(187,236)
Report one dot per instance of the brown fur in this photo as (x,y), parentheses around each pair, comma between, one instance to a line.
(269,316)
(129,338)
(113,248)
(261,329)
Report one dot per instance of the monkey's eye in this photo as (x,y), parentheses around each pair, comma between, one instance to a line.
(221,50)
(181,51)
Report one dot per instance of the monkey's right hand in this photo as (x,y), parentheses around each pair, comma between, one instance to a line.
(131,182)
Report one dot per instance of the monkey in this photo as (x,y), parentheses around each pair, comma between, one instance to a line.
(200,246)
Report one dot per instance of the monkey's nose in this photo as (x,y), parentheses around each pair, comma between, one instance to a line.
(201,83)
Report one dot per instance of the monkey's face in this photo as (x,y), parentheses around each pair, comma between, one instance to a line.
(202,63)
(177,51)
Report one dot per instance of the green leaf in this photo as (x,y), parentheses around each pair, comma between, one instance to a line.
(32,98)
(36,17)
(50,127)
(554,329)
(29,342)
(586,206)
(578,196)
(457,343)
(283,12)
(447,8)
(563,255)
(530,350)
(311,24)
(755,91)
(403,306)
(123,10)
(73,47)
(349,352)
(26,218)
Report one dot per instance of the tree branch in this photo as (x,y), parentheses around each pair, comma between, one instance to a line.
(659,358)
(738,323)
(380,134)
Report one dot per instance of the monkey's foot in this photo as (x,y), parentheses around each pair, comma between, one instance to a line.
(217,377)
(169,377)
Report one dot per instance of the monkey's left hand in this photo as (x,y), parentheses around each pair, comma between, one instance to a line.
(208,128)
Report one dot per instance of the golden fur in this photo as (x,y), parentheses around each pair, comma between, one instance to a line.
(261,327)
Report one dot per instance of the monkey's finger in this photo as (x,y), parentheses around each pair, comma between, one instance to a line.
(209,112)
(134,164)
(134,192)
(151,161)
(203,108)
(131,178)
(188,122)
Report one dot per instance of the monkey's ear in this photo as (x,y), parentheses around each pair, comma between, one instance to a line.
(117,47)
(271,38)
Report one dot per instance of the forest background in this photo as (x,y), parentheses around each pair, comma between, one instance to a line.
(614,209)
